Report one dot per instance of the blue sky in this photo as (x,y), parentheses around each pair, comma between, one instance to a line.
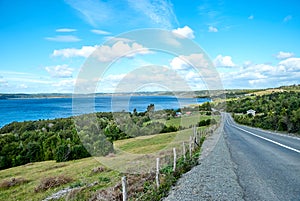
(44,44)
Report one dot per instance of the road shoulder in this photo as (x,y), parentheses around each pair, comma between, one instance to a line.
(214,178)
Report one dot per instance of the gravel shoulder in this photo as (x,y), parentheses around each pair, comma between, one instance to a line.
(214,178)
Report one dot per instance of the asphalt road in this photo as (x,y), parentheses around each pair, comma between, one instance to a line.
(267,164)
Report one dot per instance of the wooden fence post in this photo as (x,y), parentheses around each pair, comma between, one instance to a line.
(195,135)
(124,188)
(157,173)
(183,151)
(190,146)
(175,158)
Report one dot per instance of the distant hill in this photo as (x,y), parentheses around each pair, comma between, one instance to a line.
(229,93)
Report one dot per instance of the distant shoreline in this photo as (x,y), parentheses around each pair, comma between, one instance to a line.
(69,95)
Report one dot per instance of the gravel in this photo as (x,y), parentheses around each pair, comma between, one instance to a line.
(214,178)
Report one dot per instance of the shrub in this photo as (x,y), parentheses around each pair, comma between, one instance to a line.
(51,182)
(13,182)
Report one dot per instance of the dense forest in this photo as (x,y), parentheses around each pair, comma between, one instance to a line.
(81,136)
(278,111)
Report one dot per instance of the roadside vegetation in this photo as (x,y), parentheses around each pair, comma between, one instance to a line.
(88,179)
(42,158)
(278,110)
(85,135)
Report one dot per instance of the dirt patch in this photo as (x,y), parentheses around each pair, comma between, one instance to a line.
(51,182)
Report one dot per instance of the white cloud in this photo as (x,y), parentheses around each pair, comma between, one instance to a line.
(116,39)
(104,53)
(178,64)
(109,82)
(12,76)
(64,86)
(258,81)
(187,62)
(66,38)
(284,55)
(65,30)
(114,78)
(147,77)
(185,32)
(84,51)
(247,64)
(264,68)
(290,64)
(93,11)
(158,11)
(212,29)
(34,80)
(251,17)
(196,70)
(100,32)
(264,75)
(23,86)
(119,49)
(287,18)
(3,82)
(223,61)
(153,12)
(64,83)
(59,71)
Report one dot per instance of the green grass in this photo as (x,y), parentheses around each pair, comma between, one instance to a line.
(186,121)
(153,143)
(80,171)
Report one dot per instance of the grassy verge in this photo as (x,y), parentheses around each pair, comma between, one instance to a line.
(168,177)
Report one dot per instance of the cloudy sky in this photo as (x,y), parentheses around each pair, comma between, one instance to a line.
(44,44)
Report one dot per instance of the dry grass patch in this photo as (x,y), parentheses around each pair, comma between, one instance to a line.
(55,167)
(13,182)
(98,169)
(135,186)
(51,182)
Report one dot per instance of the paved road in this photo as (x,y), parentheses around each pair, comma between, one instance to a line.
(267,164)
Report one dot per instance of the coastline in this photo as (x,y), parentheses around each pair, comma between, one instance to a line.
(45,108)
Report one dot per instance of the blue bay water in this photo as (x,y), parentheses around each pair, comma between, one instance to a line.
(35,109)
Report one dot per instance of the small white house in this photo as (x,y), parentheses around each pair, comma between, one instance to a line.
(251,112)
(178,114)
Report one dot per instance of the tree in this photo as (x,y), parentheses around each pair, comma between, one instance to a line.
(62,153)
(34,152)
(150,108)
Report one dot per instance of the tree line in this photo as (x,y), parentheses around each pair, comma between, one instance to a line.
(81,136)
(278,111)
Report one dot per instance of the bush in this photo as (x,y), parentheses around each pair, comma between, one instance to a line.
(12,182)
(51,182)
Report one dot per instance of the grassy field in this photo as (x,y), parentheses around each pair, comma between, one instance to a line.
(82,172)
(187,121)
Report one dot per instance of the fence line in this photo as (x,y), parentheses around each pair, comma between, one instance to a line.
(195,138)
(175,159)
(157,173)
(124,188)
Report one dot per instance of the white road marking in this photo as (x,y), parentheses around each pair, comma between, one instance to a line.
(267,139)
